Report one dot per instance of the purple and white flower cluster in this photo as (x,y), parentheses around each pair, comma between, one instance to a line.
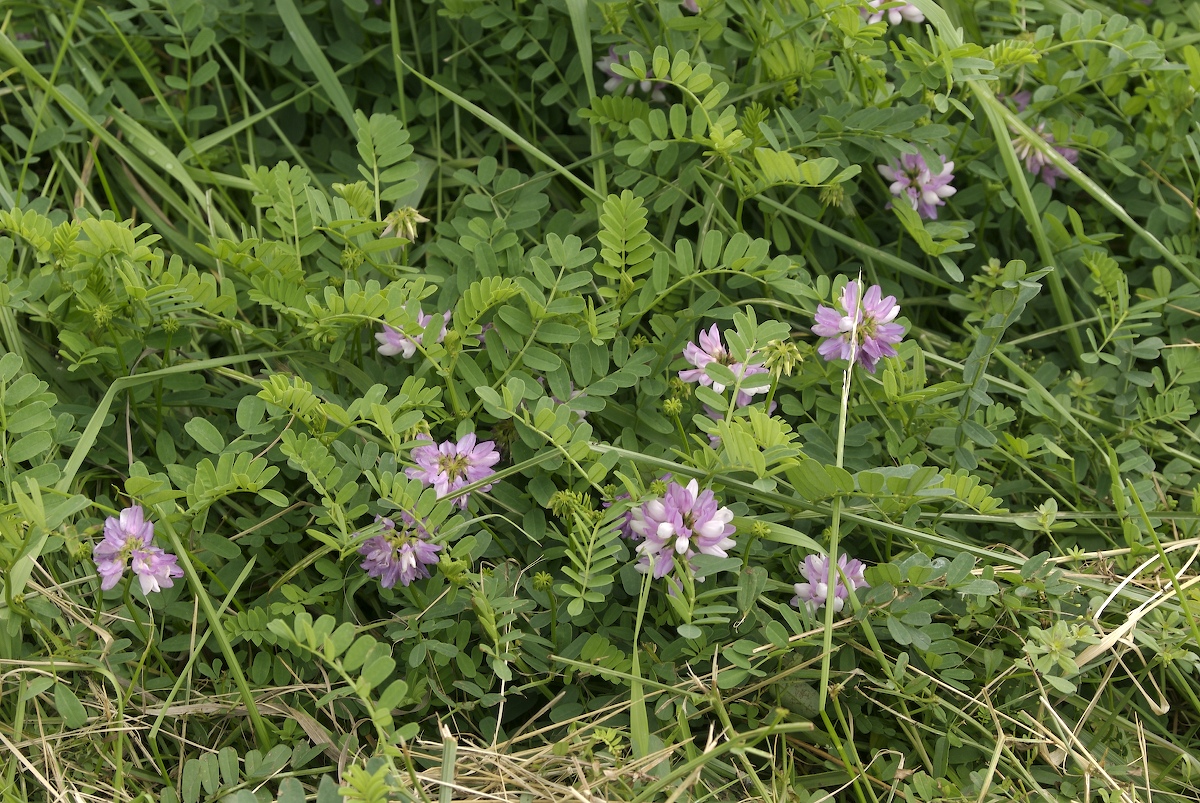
(685,521)
(127,538)
(399,554)
(1038,163)
(814,592)
(925,187)
(449,466)
(392,342)
(898,13)
(712,349)
(864,331)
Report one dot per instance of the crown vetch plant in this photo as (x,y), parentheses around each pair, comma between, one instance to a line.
(399,554)
(710,349)
(814,593)
(451,465)
(683,522)
(859,330)
(923,186)
(127,538)
(270,269)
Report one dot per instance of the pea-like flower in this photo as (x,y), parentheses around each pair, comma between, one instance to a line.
(864,332)
(684,522)
(127,538)
(401,554)
(403,223)
(815,592)
(449,466)
(920,184)
(1037,162)
(392,342)
(897,14)
(712,349)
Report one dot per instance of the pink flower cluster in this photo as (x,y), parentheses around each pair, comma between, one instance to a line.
(924,187)
(392,342)
(862,332)
(684,522)
(898,13)
(127,538)
(712,349)
(814,592)
(399,555)
(1037,162)
(449,466)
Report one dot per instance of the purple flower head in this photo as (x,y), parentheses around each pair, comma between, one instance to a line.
(1037,162)
(815,593)
(712,349)
(683,522)
(899,13)
(691,6)
(867,325)
(127,538)
(403,554)
(449,465)
(392,342)
(925,188)
(625,529)
(652,88)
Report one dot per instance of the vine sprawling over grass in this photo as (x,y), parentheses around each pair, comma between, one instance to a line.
(560,399)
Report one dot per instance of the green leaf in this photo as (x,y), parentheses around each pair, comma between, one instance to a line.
(314,56)
(1060,684)
(73,713)
(781,534)
(811,481)
(205,434)
(751,583)
(987,588)
(29,447)
(290,791)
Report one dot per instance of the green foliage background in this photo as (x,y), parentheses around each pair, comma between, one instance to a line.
(192,207)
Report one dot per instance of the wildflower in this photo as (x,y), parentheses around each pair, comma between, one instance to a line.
(127,538)
(925,188)
(712,349)
(863,332)
(683,522)
(1037,162)
(403,554)
(403,223)
(653,88)
(691,6)
(394,342)
(449,466)
(815,592)
(899,12)
(625,528)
